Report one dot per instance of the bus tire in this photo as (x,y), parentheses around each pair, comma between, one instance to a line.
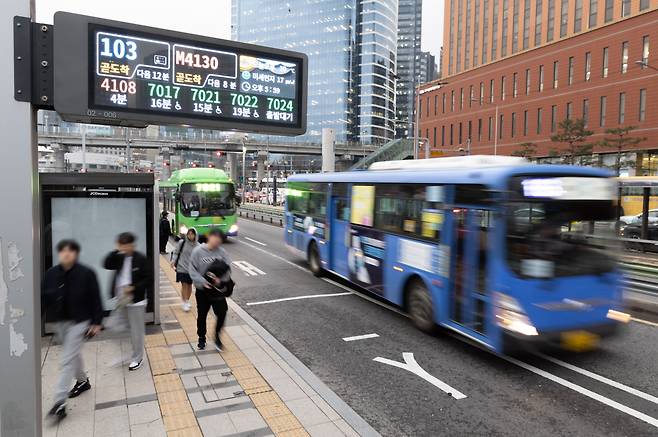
(313,259)
(420,306)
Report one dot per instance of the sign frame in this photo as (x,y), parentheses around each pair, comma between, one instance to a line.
(73,85)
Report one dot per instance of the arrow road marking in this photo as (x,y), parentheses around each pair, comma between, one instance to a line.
(248,268)
(412,366)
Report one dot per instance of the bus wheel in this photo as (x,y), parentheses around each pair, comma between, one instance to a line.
(420,307)
(314,260)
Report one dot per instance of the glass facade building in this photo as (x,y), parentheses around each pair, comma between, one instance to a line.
(409,64)
(351,46)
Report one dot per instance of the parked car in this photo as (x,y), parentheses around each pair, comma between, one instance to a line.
(634,231)
(628,219)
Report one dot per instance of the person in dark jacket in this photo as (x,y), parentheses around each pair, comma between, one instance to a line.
(130,284)
(165,232)
(70,292)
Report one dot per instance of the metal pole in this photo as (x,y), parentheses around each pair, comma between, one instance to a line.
(244,171)
(20,311)
(496,134)
(416,127)
(427,148)
(84,148)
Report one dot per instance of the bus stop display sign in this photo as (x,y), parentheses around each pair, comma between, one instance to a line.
(134,76)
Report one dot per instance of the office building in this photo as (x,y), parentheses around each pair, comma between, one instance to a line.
(408,64)
(605,73)
(351,46)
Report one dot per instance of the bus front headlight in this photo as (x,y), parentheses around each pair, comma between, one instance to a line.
(510,315)
(233,229)
(183,229)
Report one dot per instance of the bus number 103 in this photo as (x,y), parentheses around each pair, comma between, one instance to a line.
(119,86)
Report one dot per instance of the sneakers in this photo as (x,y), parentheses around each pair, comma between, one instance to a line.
(79,388)
(202,344)
(135,365)
(218,346)
(187,306)
(58,411)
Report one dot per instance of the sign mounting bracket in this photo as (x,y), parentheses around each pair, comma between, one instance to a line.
(33,63)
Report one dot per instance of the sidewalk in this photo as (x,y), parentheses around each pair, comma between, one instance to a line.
(253,388)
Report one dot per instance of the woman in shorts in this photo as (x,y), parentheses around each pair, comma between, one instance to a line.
(181,262)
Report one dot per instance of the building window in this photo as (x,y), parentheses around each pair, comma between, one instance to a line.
(578,16)
(644,4)
(471,96)
(443,104)
(526,24)
(485,30)
(569,109)
(436,104)
(476,32)
(515,27)
(434,142)
(541,78)
(513,124)
(525,122)
(451,134)
(624,57)
(622,108)
(588,66)
(538,10)
(443,136)
(609,9)
(420,109)
(643,104)
(428,106)
(564,17)
(494,31)
(593,6)
(553,118)
(515,85)
(586,111)
(500,127)
(571,67)
(470,130)
(602,110)
(550,22)
(467,33)
(460,133)
(556,66)
(458,54)
(527,81)
(461,99)
(645,51)
(503,36)
(539,119)
(502,88)
(604,69)
(479,129)
(491,91)
(625,8)
(481,93)
(452,101)
(490,132)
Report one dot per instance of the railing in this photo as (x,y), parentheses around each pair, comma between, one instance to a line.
(264,213)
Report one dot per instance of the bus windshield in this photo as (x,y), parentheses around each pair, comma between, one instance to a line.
(207,199)
(555,237)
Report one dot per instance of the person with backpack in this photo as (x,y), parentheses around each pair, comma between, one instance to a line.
(181,262)
(71,294)
(210,270)
(165,231)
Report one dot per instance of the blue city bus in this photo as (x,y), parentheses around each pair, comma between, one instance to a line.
(501,251)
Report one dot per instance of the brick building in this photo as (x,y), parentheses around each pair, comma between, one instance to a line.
(606,74)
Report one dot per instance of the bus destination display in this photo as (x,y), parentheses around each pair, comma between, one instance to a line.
(144,74)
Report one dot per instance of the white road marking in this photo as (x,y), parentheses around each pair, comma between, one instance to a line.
(644,322)
(582,390)
(255,241)
(602,379)
(412,366)
(360,337)
(309,296)
(248,268)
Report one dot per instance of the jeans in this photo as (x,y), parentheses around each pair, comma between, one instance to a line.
(72,336)
(203,304)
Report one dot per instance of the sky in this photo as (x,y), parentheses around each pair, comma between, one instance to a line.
(206,17)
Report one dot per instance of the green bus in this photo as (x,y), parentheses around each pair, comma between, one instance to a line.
(200,198)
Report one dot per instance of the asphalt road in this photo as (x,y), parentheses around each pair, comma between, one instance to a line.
(612,391)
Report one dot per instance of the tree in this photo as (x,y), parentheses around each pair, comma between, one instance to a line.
(573,133)
(526,150)
(619,141)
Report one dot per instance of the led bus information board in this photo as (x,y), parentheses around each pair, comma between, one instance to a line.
(137,76)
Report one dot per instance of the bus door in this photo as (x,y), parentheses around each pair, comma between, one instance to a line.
(339,231)
(469,268)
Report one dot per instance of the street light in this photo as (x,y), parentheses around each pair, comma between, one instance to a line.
(644,64)
(244,171)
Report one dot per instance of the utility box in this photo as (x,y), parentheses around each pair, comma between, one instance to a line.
(93,209)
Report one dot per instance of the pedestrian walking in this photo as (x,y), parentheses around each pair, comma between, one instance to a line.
(212,284)
(129,285)
(165,231)
(70,291)
(181,263)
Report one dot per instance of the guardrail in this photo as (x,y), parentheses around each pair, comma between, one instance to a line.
(264,213)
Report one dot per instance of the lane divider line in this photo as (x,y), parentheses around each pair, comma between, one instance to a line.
(360,337)
(582,390)
(412,366)
(644,322)
(255,241)
(308,296)
(602,379)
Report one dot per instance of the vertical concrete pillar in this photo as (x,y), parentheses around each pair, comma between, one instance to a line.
(328,143)
(232,165)
(260,167)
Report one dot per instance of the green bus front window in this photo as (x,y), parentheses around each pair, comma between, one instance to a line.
(207,199)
